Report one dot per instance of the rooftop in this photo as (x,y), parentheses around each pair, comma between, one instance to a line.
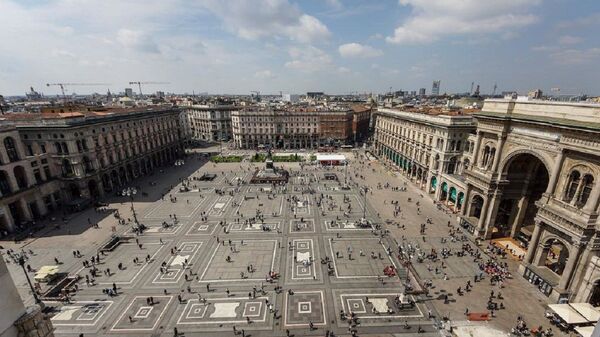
(71,114)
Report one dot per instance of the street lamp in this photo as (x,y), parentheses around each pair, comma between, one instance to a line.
(130,192)
(365,189)
(35,296)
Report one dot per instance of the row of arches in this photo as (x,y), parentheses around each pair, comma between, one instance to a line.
(20,180)
(114,179)
(450,195)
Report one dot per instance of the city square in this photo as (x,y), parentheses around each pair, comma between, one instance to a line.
(270,259)
(224,253)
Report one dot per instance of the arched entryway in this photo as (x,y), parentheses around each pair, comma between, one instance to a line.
(444,192)
(93,189)
(106,183)
(74,191)
(527,179)
(554,255)
(476,206)
(433,185)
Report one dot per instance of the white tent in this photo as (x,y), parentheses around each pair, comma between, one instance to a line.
(568,314)
(585,331)
(337,159)
(586,310)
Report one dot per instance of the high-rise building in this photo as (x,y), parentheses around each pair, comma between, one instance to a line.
(128,92)
(422,92)
(435,89)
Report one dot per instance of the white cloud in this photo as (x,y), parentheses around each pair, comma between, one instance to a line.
(569,39)
(433,19)
(335,4)
(576,56)
(268,18)
(264,74)
(137,40)
(589,20)
(308,58)
(358,50)
(343,70)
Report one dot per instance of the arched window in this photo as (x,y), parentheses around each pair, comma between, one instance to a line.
(451,168)
(20,176)
(4,183)
(436,163)
(58,148)
(466,164)
(485,157)
(458,144)
(11,149)
(586,190)
(572,185)
(67,168)
(65,148)
(87,165)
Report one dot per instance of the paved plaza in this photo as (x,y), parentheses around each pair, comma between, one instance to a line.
(264,260)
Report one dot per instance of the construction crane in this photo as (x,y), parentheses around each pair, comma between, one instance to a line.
(139,84)
(63,85)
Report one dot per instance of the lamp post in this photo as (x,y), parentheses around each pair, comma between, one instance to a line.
(35,296)
(130,192)
(365,189)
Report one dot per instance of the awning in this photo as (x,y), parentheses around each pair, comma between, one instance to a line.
(45,271)
(568,314)
(585,331)
(586,310)
(444,187)
(433,182)
(453,193)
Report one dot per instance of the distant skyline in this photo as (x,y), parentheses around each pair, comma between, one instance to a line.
(335,46)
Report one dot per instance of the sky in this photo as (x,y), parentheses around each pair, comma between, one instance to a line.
(335,46)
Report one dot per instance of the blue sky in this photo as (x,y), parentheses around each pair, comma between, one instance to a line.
(336,46)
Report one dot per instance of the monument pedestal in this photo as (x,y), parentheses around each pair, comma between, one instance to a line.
(33,323)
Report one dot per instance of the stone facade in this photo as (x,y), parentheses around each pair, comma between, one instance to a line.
(63,160)
(535,175)
(280,129)
(209,123)
(431,148)
(300,128)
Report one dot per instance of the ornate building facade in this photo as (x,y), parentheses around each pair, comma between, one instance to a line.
(209,123)
(255,128)
(430,147)
(66,158)
(300,127)
(535,172)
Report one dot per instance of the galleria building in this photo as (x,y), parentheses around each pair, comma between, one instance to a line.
(523,170)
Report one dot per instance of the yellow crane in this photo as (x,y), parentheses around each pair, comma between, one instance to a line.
(139,84)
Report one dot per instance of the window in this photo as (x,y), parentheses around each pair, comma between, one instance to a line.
(47,172)
(586,190)
(29,150)
(11,149)
(43,148)
(572,185)
(4,183)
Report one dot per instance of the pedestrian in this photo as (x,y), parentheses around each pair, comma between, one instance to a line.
(175,332)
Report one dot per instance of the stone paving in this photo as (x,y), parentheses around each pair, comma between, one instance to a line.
(215,283)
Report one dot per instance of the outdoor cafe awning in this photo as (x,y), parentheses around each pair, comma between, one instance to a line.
(568,314)
(45,272)
(585,331)
(586,310)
